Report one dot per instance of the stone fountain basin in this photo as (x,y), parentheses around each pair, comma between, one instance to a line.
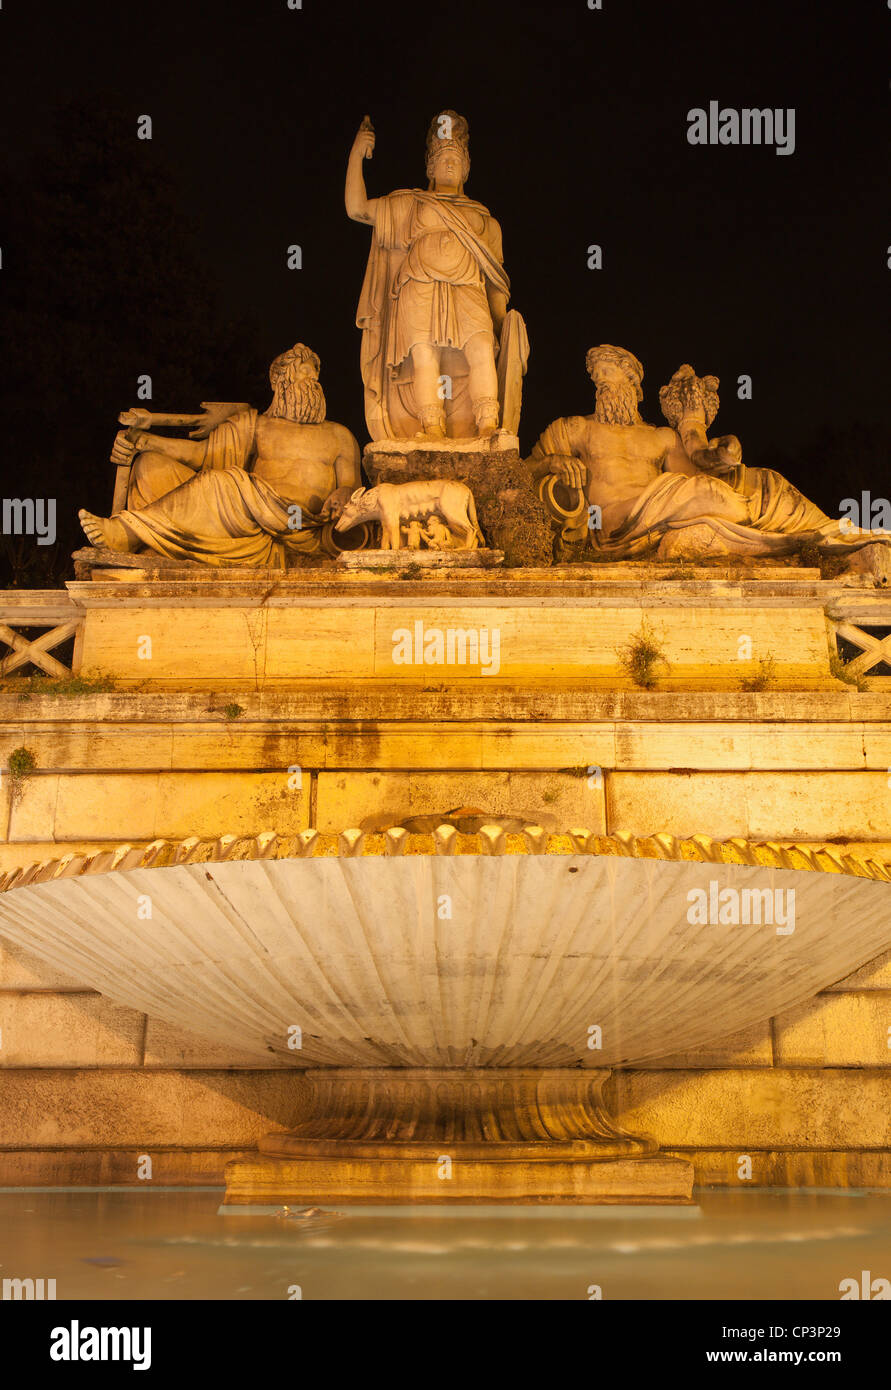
(445,960)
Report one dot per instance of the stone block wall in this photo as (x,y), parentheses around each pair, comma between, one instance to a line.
(285,712)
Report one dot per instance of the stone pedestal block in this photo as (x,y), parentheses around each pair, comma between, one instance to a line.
(457,1135)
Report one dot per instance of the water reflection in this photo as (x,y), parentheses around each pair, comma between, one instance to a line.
(175,1245)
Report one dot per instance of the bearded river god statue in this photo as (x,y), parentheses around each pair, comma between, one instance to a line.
(441,355)
(246,489)
(619,488)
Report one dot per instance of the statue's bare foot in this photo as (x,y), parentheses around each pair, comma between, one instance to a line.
(105,531)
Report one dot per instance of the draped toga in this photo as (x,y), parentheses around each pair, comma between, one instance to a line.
(431,257)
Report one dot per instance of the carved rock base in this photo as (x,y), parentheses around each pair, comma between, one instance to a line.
(692,543)
(474,1135)
(511,514)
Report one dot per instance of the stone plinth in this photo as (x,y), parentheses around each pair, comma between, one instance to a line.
(501,442)
(570,623)
(408,560)
(465,1135)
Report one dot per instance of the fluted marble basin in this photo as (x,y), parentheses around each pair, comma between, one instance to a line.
(445,950)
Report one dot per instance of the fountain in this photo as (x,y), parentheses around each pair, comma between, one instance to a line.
(629,601)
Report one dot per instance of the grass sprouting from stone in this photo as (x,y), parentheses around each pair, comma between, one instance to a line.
(839,669)
(765,677)
(642,655)
(22,763)
(65,686)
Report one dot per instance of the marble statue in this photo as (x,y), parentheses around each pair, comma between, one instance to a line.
(627,489)
(251,489)
(442,356)
(396,505)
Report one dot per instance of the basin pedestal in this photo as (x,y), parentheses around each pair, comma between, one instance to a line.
(457,1135)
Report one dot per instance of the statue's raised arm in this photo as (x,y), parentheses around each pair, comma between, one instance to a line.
(358,205)
(690,404)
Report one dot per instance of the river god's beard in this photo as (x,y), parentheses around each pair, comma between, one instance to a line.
(300,401)
(616,405)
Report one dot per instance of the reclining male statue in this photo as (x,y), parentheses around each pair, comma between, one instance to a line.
(631,489)
(256,490)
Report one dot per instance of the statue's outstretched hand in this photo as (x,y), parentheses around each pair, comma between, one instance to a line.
(136,419)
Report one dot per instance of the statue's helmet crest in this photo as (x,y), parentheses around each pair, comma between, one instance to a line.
(448,127)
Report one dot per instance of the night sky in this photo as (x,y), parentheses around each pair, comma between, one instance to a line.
(123,256)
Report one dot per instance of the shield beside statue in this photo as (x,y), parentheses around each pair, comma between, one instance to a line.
(513,356)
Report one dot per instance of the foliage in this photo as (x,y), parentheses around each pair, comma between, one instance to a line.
(67,686)
(839,669)
(22,763)
(766,676)
(642,655)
